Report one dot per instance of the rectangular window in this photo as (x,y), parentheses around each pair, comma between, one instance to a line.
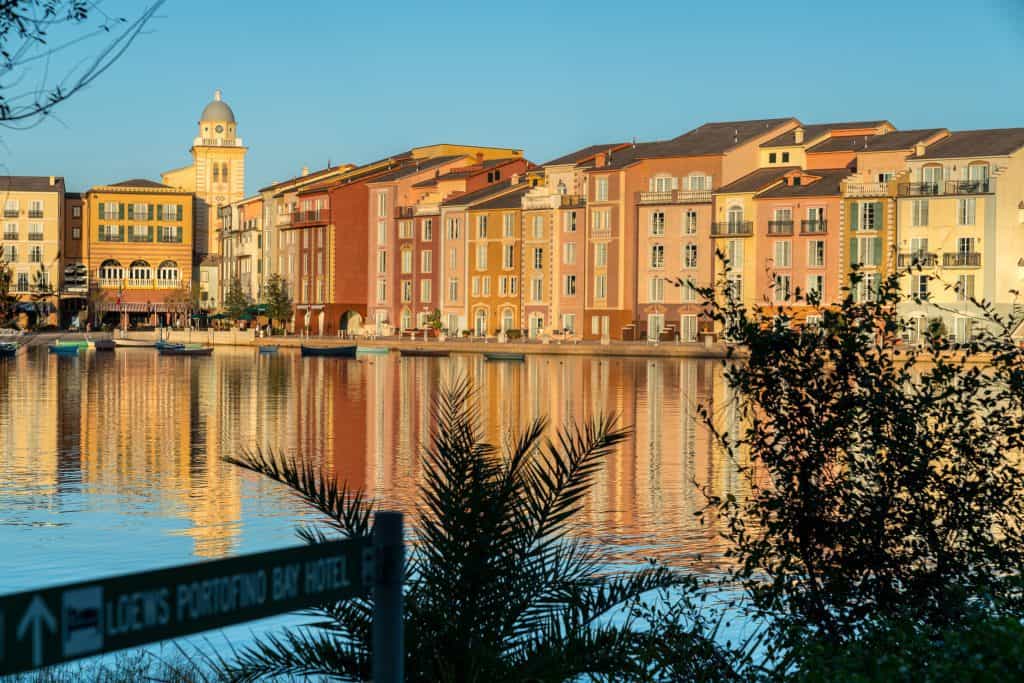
(569,253)
(658,223)
(508,224)
(22,282)
(602,189)
(966,211)
(688,328)
(503,285)
(772,157)
(600,286)
(453,290)
(920,211)
(658,256)
(486,282)
(382,262)
(868,216)
(426,291)
(35,254)
(600,255)
(454,229)
(919,285)
(816,254)
(688,291)
(570,222)
(407,260)
(76,233)
(481,257)
(656,289)
(783,254)
(169,233)
(428,229)
(382,291)
(570,285)
(140,233)
(453,259)
(965,245)
(475,285)
(690,222)
(382,205)
(508,256)
(537,289)
(11,231)
(406,291)
(816,285)
(513,285)
(785,157)
(866,251)
(782,288)
(405,230)
(965,288)
(35,208)
(690,256)
(538,227)
(538,258)
(427,261)
(481,227)
(734,253)
(382,232)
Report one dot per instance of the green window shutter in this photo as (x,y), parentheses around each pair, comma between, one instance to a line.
(149,237)
(854,258)
(159,212)
(120,211)
(131,211)
(854,214)
(181,215)
(876,245)
(879,217)
(99,210)
(149,212)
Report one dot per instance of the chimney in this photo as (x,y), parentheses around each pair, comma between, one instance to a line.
(53,181)
(479,157)
(515,178)
(798,135)
(305,171)
(599,159)
(919,149)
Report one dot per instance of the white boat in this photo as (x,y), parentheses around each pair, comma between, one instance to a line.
(135,343)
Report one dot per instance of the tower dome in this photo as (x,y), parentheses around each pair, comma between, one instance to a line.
(217,110)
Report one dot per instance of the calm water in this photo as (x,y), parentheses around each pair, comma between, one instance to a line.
(112,462)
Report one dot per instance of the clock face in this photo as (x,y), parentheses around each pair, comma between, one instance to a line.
(219,129)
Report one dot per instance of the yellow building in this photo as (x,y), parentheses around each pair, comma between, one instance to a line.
(138,249)
(494,248)
(217,173)
(961,217)
(33,216)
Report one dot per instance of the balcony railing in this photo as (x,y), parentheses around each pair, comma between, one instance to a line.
(674,197)
(780,227)
(813,227)
(36,236)
(919,189)
(310,217)
(404,212)
(967,186)
(12,236)
(919,258)
(11,213)
(35,213)
(962,259)
(867,189)
(732,229)
(139,283)
(572,201)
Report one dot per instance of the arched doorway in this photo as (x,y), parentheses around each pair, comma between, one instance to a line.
(406,320)
(480,322)
(351,323)
(140,274)
(507,319)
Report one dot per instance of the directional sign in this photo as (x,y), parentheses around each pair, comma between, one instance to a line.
(53,625)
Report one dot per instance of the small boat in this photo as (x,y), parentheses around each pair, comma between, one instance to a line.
(65,349)
(135,343)
(332,351)
(268,349)
(373,350)
(504,355)
(72,343)
(104,345)
(8,350)
(186,350)
(425,353)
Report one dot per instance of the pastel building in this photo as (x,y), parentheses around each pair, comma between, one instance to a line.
(241,246)
(961,217)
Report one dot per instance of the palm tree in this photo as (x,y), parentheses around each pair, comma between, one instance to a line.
(496,588)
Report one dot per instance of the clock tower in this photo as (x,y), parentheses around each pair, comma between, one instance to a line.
(218,157)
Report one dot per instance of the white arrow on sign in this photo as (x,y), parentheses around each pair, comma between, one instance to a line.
(36,615)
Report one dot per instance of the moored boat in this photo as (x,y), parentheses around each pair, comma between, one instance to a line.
(330,351)
(186,350)
(504,355)
(373,350)
(104,345)
(268,349)
(8,349)
(135,343)
(65,349)
(425,353)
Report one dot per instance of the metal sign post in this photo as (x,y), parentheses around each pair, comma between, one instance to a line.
(54,625)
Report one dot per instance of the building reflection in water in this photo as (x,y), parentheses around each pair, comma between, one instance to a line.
(151,432)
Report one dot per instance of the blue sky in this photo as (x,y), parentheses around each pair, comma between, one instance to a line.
(352,82)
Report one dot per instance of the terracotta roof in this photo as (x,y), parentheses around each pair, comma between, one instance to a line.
(30,183)
(813,131)
(467,171)
(509,200)
(757,180)
(303,178)
(827,185)
(141,182)
(583,154)
(976,143)
(466,198)
(889,142)
(708,139)
(417,167)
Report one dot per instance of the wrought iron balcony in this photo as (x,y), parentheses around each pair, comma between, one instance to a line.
(572,201)
(780,227)
(36,236)
(35,213)
(919,189)
(732,229)
(311,217)
(919,258)
(967,186)
(813,227)
(962,259)
(404,212)
(11,213)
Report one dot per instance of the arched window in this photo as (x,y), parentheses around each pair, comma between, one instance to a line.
(168,270)
(111,270)
(735,216)
(216,172)
(140,270)
(507,320)
(480,322)
(561,187)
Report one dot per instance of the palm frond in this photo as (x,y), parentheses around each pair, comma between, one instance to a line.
(299,652)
